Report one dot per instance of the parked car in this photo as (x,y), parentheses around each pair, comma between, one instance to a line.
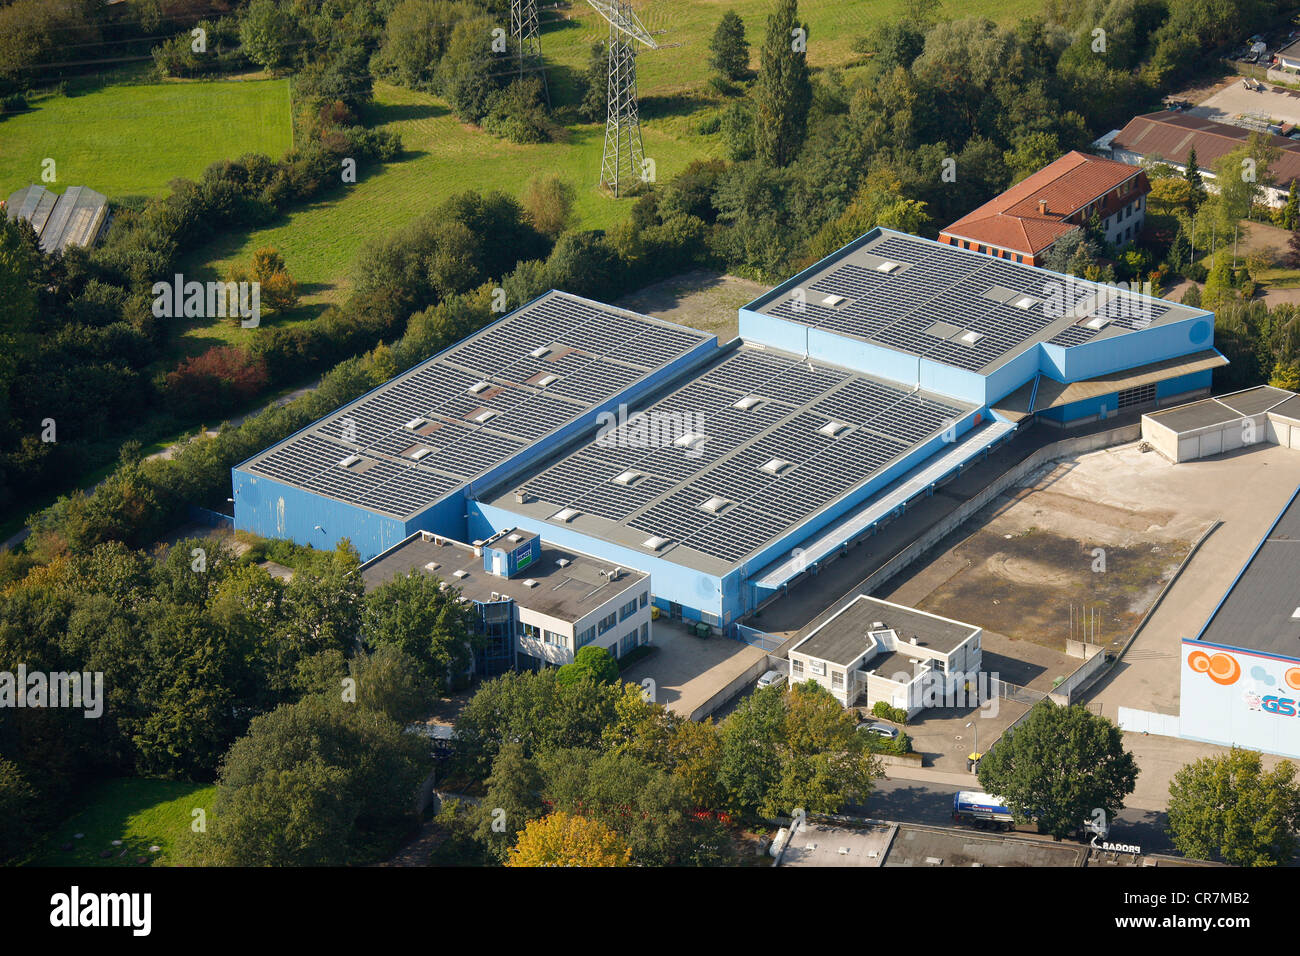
(888,731)
(770,678)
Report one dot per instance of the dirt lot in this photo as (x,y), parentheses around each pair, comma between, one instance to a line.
(1075,537)
(702,300)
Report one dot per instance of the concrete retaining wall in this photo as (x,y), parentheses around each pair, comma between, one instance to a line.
(1082,649)
(1065,692)
(735,686)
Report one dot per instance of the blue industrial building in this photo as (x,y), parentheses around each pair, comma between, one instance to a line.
(724,471)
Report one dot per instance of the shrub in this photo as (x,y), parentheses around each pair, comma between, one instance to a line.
(216,381)
(884,711)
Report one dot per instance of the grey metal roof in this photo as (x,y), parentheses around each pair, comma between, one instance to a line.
(1221,409)
(713,503)
(908,294)
(567,592)
(472,407)
(842,638)
(1260,612)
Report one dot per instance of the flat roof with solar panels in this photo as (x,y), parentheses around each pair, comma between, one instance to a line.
(755,444)
(956,306)
(405,445)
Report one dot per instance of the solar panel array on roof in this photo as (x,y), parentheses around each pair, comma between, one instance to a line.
(476,405)
(765,460)
(951,305)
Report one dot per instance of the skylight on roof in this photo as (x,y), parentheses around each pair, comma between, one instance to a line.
(746,403)
(414,423)
(629,477)
(1025,302)
(714,505)
(461,573)
(774,466)
(688,440)
(547,379)
(420,453)
(971,337)
(655,542)
(478,387)
(1097,322)
(432,566)
(887,267)
(540,352)
(832,428)
(349,461)
(833,300)
(486,414)
(565,514)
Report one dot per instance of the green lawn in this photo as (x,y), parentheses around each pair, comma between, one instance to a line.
(140,813)
(131,140)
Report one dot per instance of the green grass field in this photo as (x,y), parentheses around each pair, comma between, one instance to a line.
(140,813)
(131,140)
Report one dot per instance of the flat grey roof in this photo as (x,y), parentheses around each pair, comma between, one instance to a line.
(818,429)
(921,297)
(933,846)
(842,638)
(419,436)
(1259,613)
(826,844)
(1227,408)
(567,592)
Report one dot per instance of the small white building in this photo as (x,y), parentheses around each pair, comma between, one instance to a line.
(1262,414)
(889,652)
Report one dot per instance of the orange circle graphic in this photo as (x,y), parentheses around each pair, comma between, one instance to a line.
(1224,669)
(1293,678)
(1199,661)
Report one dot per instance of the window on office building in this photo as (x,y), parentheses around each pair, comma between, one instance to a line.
(627,610)
(645,598)
(552,638)
(796,668)
(628,642)
(586,637)
(645,633)
(606,623)
(530,630)
(837,680)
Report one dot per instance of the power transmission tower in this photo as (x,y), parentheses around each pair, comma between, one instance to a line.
(623,148)
(526,31)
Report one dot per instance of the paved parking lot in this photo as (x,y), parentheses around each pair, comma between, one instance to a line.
(1229,103)
(688,670)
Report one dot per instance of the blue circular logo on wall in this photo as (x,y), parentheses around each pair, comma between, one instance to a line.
(1199,332)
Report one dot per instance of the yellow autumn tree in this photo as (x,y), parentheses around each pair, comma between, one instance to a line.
(562,839)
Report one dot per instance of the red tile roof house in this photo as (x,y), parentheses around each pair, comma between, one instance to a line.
(1023,223)
(1168,137)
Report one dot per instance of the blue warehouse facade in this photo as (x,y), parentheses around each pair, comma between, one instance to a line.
(725,470)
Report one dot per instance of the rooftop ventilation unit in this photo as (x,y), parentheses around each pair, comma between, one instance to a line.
(420,453)
(746,403)
(516,537)
(629,477)
(774,466)
(834,300)
(414,423)
(478,387)
(349,461)
(877,624)
(970,338)
(563,562)
(432,566)
(530,583)
(521,496)
(832,428)
(442,585)
(714,505)
(565,514)
(887,267)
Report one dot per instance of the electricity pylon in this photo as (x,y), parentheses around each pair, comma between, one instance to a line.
(623,147)
(526,31)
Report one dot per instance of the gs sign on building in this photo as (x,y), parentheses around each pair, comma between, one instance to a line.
(1232,696)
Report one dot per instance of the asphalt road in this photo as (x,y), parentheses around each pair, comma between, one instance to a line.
(908,801)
